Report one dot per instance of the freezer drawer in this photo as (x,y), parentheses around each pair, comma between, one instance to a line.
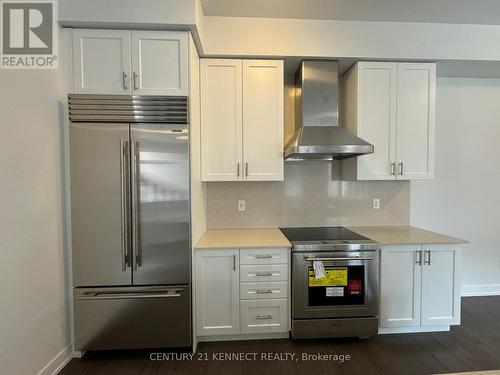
(132,317)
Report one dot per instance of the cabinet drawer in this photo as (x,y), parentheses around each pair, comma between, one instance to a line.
(264,256)
(269,272)
(266,316)
(264,290)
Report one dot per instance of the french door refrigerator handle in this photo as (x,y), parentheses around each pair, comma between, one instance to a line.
(130,295)
(124,205)
(135,208)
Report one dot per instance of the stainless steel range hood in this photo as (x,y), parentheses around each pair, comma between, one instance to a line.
(319,136)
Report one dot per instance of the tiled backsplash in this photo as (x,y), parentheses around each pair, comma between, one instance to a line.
(309,196)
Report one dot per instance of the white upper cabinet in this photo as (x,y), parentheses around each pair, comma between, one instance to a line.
(130,62)
(101,61)
(415,120)
(221,120)
(370,113)
(159,63)
(263,127)
(242,120)
(392,106)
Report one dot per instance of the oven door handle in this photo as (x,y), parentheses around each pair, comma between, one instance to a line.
(311,259)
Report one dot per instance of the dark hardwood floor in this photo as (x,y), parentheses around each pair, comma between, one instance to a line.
(473,346)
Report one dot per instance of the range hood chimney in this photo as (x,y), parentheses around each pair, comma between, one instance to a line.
(319,136)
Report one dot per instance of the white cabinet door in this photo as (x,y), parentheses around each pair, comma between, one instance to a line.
(159,62)
(217,292)
(416,97)
(440,286)
(101,61)
(221,120)
(263,125)
(400,284)
(377,85)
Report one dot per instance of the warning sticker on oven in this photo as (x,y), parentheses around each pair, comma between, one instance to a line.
(334,276)
(334,291)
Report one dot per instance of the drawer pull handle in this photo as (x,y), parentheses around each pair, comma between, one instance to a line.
(263,317)
(263,256)
(263,291)
(263,274)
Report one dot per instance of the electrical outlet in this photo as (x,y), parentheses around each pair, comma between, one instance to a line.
(241,205)
(376,203)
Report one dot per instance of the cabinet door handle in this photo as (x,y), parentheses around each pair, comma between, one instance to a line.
(393,168)
(263,317)
(263,274)
(263,256)
(401,169)
(136,76)
(246,169)
(238,169)
(234,263)
(263,291)
(419,257)
(427,257)
(124,81)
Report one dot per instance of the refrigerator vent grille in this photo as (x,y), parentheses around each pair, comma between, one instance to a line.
(128,108)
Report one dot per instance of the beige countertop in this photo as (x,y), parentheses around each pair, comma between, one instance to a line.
(242,238)
(404,235)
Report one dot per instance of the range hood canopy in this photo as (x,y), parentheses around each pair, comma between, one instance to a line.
(316,112)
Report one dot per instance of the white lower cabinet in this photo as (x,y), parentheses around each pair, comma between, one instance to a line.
(419,287)
(217,286)
(441,286)
(234,299)
(400,285)
(264,316)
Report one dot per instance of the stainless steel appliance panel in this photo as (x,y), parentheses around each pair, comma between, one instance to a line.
(132,318)
(341,327)
(302,309)
(99,204)
(160,208)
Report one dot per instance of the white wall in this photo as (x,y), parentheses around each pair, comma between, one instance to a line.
(34,325)
(464,198)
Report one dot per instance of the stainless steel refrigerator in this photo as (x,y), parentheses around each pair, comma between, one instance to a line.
(130,221)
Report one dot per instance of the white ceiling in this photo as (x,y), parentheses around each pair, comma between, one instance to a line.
(485,12)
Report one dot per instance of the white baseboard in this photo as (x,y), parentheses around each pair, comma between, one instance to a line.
(57,363)
(480,290)
(419,329)
(78,353)
(255,336)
